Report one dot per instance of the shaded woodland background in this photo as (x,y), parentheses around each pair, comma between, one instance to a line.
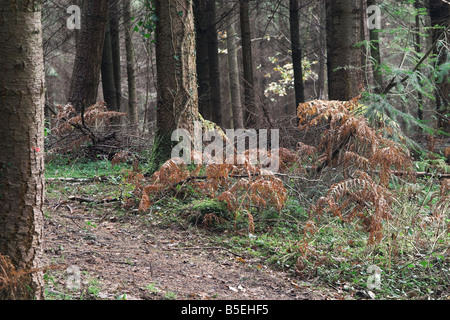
(405,35)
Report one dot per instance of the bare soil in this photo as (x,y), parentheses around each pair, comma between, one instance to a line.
(129,256)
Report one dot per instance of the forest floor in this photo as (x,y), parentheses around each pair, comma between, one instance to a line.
(169,252)
(126,257)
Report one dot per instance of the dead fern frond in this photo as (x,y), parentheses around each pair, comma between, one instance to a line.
(369,160)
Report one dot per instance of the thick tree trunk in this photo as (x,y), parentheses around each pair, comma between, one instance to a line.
(133,112)
(345,67)
(87,65)
(22,99)
(233,76)
(296,52)
(177,106)
(440,16)
(250,113)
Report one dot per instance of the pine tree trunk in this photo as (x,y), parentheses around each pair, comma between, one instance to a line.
(133,111)
(345,74)
(201,30)
(440,16)
(214,64)
(375,52)
(233,76)
(296,52)
(115,50)
(250,112)
(22,99)
(107,71)
(321,31)
(86,70)
(418,49)
(177,106)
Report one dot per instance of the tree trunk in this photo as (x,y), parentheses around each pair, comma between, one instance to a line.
(214,64)
(345,73)
(233,76)
(86,70)
(204,89)
(418,49)
(250,112)
(22,100)
(296,52)
(321,31)
(114,18)
(107,71)
(440,16)
(177,106)
(375,52)
(133,112)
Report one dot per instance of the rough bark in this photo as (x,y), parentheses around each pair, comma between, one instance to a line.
(345,72)
(133,112)
(177,95)
(22,100)
(86,70)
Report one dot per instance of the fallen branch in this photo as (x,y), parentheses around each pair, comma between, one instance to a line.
(89,200)
(78,180)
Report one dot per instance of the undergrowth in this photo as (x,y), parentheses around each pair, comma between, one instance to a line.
(332,212)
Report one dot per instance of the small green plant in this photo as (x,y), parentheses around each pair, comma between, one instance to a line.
(152,288)
(169,295)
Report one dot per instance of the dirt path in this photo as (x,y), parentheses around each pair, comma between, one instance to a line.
(125,256)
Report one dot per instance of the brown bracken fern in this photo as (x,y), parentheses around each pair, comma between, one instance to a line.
(368,159)
(244,188)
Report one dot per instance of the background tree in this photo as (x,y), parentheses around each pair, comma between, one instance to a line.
(214,63)
(233,73)
(133,111)
(440,21)
(22,98)
(250,110)
(107,72)
(87,65)
(345,74)
(202,56)
(296,51)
